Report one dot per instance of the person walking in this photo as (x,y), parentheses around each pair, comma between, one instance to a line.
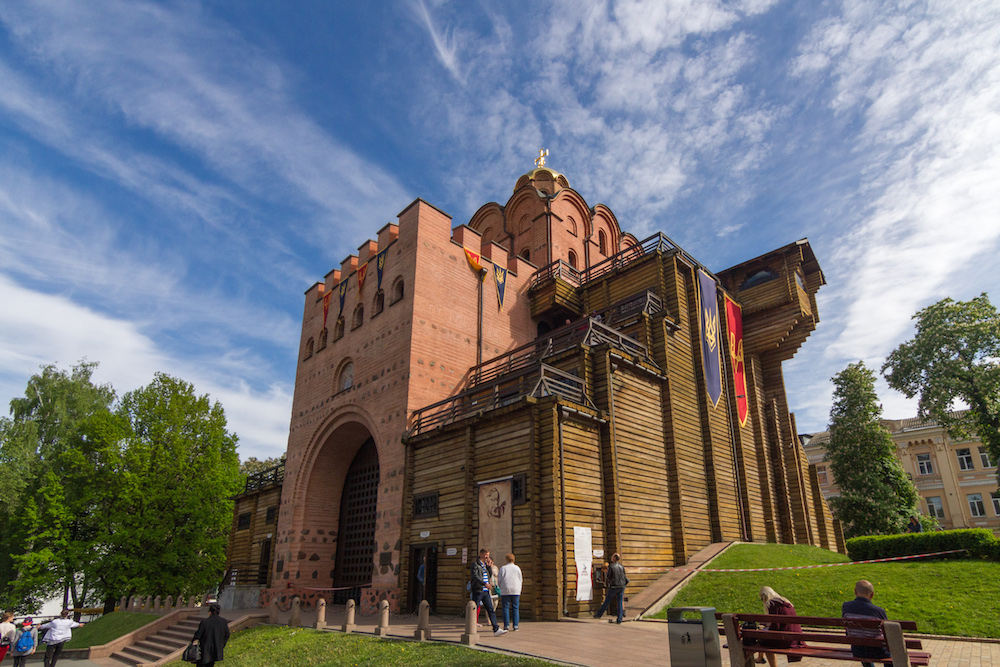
(60,631)
(617,581)
(863,607)
(510,580)
(7,632)
(25,642)
(212,635)
(479,583)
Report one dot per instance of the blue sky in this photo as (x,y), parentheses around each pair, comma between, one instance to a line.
(174,175)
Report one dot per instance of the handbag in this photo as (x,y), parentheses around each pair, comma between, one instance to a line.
(749,625)
(192,653)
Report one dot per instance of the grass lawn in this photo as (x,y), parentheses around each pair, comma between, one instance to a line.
(268,646)
(109,627)
(949,597)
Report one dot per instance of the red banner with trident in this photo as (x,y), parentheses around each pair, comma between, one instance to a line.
(734,325)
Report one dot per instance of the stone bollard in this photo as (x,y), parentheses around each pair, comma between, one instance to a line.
(423,632)
(180,602)
(132,604)
(193,601)
(349,626)
(471,634)
(147,606)
(296,619)
(272,612)
(383,619)
(320,614)
(158,604)
(169,604)
(123,604)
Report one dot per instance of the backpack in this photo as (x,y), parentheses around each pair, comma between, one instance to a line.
(25,642)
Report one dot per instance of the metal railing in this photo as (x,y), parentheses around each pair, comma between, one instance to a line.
(588,331)
(658,242)
(265,478)
(538,380)
(245,574)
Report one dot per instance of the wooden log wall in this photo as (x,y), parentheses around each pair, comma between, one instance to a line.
(245,544)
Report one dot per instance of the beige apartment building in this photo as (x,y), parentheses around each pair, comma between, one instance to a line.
(956,479)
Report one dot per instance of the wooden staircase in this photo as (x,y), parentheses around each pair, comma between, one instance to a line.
(158,648)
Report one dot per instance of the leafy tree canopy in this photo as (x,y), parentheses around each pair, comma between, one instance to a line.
(112,498)
(954,357)
(876,497)
(254,465)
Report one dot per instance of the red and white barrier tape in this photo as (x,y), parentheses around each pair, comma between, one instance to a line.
(807,567)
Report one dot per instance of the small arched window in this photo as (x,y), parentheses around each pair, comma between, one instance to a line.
(526,255)
(487,233)
(309,349)
(322,339)
(338,328)
(379,304)
(571,225)
(572,259)
(397,291)
(346,378)
(602,242)
(359,317)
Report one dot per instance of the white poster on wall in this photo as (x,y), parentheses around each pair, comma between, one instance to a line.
(583,552)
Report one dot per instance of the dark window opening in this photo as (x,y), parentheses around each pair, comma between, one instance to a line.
(519,489)
(759,278)
(243,521)
(272,515)
(425,505)
(379,304)
(397,291)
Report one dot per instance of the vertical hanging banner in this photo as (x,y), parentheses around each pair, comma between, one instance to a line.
(343,294)
(380,267)
(500,275)
(496,528)
(475,260)
(708,314)
(734,325)
(326,306)
(583,553)
(362,272)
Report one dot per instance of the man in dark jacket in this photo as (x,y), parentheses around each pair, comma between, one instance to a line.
(863,607)
(616,588)
(479,585)
(212,634)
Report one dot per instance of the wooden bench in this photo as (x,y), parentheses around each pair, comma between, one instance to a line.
(825,644)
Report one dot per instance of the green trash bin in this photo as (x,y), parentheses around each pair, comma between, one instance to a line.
(694,640)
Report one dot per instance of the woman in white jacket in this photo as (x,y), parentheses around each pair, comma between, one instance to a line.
(510,580)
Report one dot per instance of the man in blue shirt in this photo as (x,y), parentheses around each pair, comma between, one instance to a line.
(863,607)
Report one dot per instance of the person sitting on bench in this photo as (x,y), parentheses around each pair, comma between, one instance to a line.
(863,607)
(779,605)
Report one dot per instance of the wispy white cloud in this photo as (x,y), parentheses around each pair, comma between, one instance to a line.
(40,328)
(445,41)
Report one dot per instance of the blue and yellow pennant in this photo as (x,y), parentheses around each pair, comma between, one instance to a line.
(500,275)
(708,314)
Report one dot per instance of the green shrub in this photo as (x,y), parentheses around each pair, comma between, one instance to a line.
(979,542)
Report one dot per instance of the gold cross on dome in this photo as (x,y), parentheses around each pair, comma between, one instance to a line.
(540,160)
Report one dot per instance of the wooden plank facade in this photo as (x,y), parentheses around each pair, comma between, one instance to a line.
(582,389)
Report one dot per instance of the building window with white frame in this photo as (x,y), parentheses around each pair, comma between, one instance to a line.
(976,505)
(935,507)
(924,464)
(996,503)
(984,457)
(964,459)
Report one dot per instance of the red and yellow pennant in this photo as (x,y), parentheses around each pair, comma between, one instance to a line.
(475,260)
(362,272)
(734,325)
(326,306)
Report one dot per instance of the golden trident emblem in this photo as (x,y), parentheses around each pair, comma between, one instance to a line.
(711,329)
(540,160)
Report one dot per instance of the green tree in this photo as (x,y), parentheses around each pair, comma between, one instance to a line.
(876,496)
(254,465)
(47,489)
(179,472)
(954,357)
